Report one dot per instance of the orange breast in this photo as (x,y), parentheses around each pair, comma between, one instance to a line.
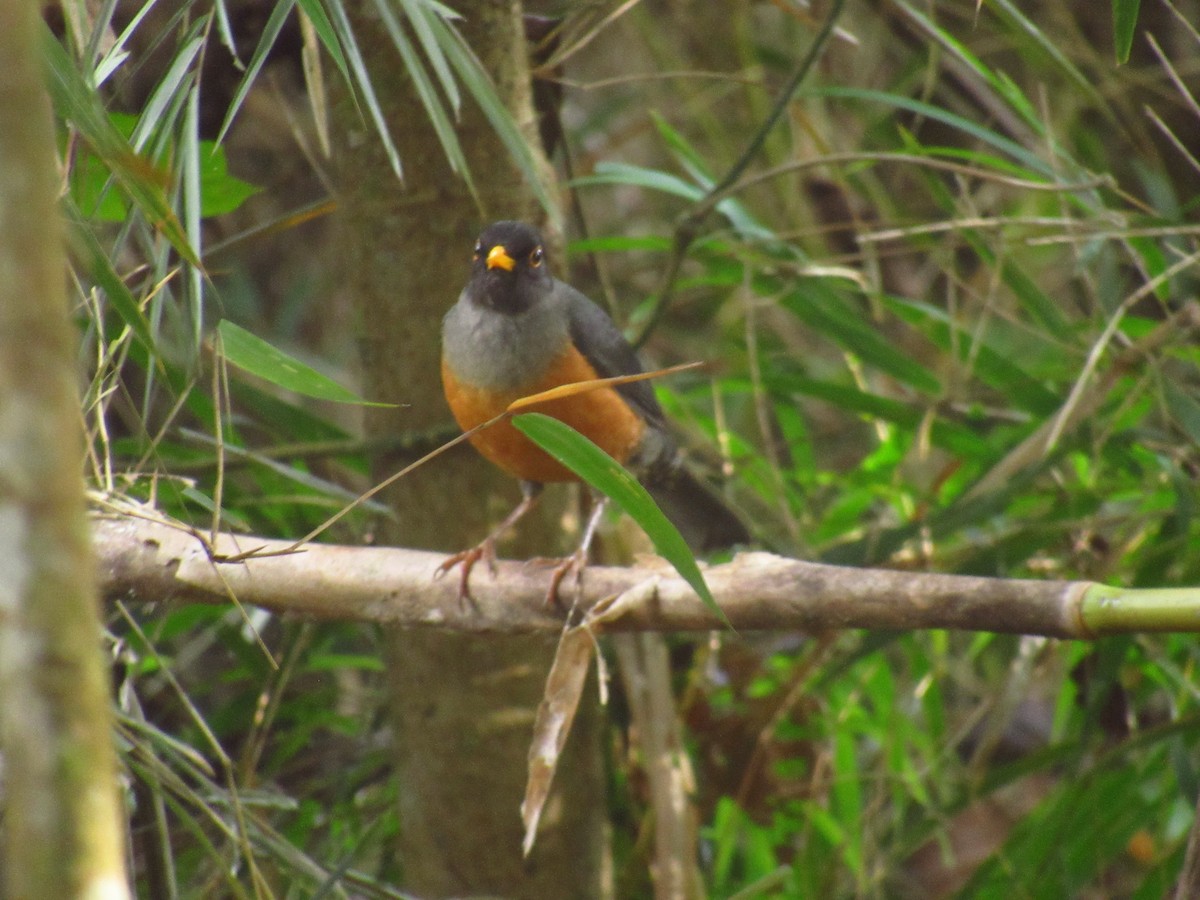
(601,415)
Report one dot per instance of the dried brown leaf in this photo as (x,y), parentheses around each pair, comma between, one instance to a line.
(560,701)
(564,687)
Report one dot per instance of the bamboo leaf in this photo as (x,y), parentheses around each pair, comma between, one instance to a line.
(823,310)
(434,108)
(475,79)
(158,115)
(254,355)
(639,176)
(77,102)
(362,78)
(1006,145)
(266,42)
(420,16)
(1125,16)
(612,479)
(949,435)
(100,267)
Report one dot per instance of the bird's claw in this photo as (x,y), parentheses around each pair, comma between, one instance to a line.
(563,566)
(467,559)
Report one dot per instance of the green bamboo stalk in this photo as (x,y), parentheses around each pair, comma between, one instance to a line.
(1112,610)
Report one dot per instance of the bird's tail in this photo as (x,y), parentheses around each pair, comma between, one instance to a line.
(703,519)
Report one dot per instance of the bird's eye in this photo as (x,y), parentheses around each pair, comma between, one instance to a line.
(478,250)
(535,258)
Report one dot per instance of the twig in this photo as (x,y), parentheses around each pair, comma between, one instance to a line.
(688,227)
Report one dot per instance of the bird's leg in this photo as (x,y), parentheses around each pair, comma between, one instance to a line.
(579,559)
(531,491)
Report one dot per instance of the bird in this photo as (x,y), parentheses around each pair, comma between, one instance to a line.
(516,330)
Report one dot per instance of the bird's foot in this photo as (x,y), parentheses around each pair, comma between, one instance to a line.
(486,551)
(563,566)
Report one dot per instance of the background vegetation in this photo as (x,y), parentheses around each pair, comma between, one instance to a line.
(952,306)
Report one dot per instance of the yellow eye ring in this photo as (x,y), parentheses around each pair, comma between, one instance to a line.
(535,257)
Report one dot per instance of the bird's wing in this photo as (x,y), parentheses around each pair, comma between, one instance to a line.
(603,345)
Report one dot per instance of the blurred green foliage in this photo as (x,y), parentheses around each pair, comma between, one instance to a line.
(953,305)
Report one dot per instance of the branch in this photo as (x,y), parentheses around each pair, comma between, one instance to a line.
(146,561)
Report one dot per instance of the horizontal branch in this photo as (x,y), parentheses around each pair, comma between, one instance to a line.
(144,561)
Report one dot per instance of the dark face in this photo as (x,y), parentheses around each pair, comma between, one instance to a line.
(508,273)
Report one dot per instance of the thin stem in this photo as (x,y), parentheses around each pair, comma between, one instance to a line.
(688,227)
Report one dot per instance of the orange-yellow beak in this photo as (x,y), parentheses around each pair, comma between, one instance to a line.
(498,257)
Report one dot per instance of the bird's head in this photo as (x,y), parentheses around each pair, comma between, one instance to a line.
(508,270)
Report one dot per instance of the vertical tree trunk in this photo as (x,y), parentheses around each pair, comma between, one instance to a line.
(63,826)
(463,706)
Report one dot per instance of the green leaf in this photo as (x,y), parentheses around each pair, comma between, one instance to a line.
(476,80)
(362,78)
(76,101)
(1012,360)
(684,151)
(91,183)
(322,487)
(159,116)
(270,32)
(639,176)
(93,191)
(1043,308)
(620,244)
(1052,45)
(665,182)
(1028,33)
(254,355)
(822,309)
(1125,15)
(693,162)
(612,479)
(949,435)
(100,267)
(220,192)
(1184,409)
(319,19)
(1004,144)
(846,796)
(443,127)
(420,15)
